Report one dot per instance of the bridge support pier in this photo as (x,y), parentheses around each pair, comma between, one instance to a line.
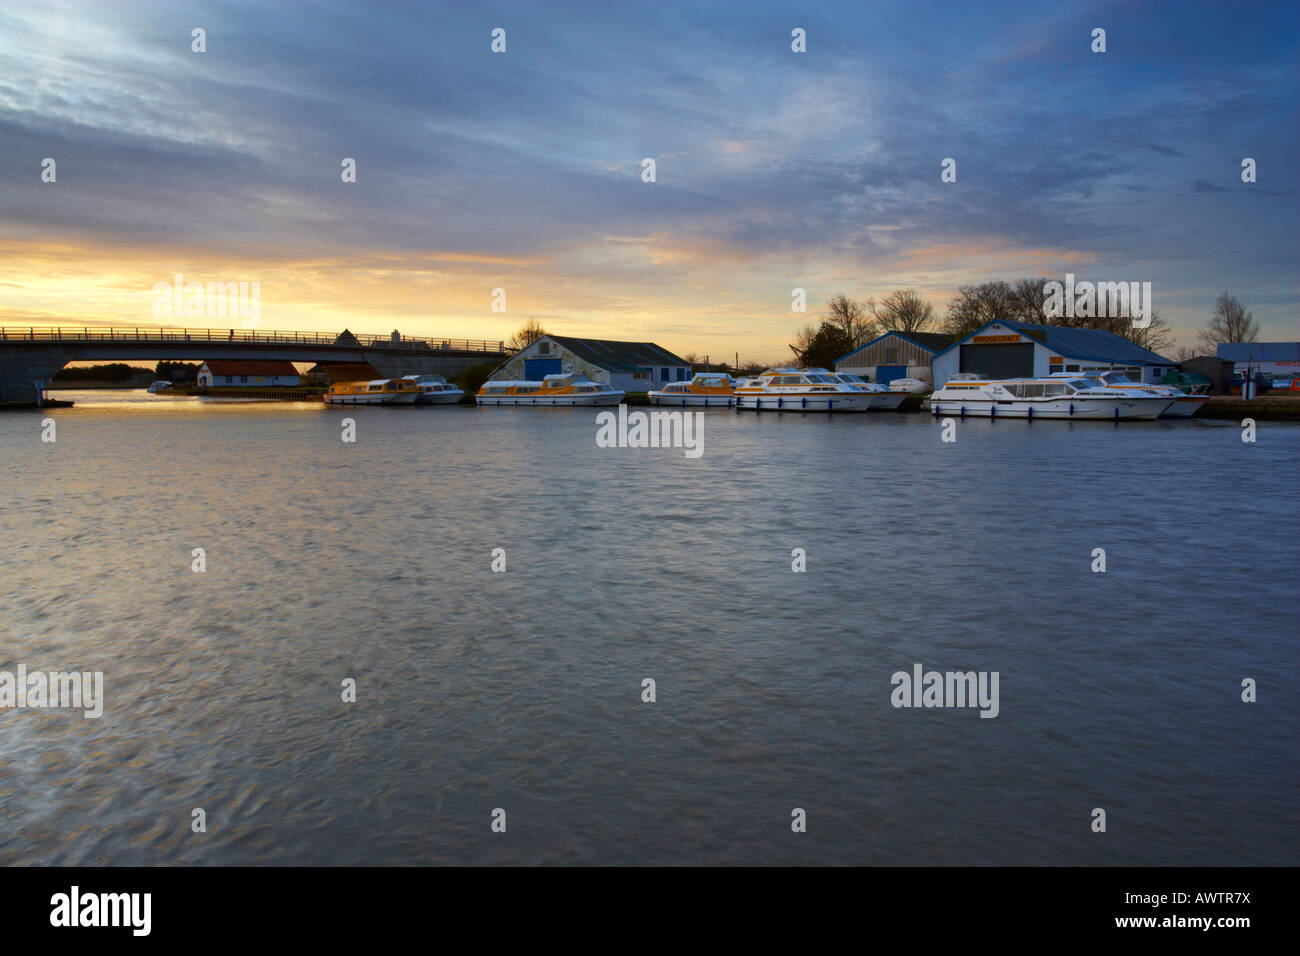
(24,373)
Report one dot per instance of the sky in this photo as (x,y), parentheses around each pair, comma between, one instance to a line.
(522,170)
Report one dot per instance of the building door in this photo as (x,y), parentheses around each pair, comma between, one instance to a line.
(536,369)
(999,361)
(887,373)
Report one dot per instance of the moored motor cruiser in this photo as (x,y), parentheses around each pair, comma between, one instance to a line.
(883,399)
(1186,404)
(792,389)
(381,391)
(1050,397)
(568,388)
(912,386)
(434,390)
(705,390)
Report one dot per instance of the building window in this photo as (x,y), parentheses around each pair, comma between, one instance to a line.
(663,375)
(681,375)
(1072,368)
(229,379)
(244,379)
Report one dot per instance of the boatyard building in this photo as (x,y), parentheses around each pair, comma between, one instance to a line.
(1277,363)
(894,355)
(237,373)
(1007,349)
(630,366)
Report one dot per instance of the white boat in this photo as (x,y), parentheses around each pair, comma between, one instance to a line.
(381,391)
(705,389)
(912,386)
(1071,397)
(434,390)
(792,389)
(1185,404)
(156,387)
(882,399)
(569,388)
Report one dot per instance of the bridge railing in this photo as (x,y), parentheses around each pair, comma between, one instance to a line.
(245,337)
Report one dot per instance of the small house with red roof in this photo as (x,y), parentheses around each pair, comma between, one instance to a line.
(248,373)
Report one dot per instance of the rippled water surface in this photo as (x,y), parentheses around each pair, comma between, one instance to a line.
(522,690)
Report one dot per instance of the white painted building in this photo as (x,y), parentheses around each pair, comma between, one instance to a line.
(1007,349)
(630,366)
(246,373)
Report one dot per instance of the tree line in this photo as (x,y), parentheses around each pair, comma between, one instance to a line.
(850,323)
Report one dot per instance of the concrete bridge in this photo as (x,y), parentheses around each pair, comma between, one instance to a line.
(30,357)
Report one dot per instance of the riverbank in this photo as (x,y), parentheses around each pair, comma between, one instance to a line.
(1266,408)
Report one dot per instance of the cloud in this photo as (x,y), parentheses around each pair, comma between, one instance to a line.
(775,169)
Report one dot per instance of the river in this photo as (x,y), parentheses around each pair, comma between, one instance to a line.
(522,690)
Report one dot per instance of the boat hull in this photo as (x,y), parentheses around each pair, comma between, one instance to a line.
(837,402)
(438,398)
(401,398)
(1098,409)
(1185,407)
(552,401)
(888,401)
(687,400)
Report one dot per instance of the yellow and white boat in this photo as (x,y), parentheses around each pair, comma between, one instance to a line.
(793,389)
(381,391)
(706,390)
(569,388)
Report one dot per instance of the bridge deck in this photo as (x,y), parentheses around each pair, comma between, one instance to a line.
(45,337)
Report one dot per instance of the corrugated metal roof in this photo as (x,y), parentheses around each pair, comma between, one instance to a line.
(618,356)
(930,341)
(1070,342)
(1260,351)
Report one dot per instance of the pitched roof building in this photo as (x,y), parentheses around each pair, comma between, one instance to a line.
(894,355)
(247,372)
(631,366)
(1009,349)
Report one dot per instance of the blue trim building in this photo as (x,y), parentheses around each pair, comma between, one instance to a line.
(894,355)
(1008,349)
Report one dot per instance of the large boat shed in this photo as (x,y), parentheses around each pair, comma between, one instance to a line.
(1007,349)
(894,355)
(631,366)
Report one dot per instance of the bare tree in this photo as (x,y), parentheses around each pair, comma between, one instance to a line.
(853,318)
(1230,323)
(978,304)
(1184,353)
(1030,299)
(903,310)
(526,335)
(803,340)
(1156,337)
